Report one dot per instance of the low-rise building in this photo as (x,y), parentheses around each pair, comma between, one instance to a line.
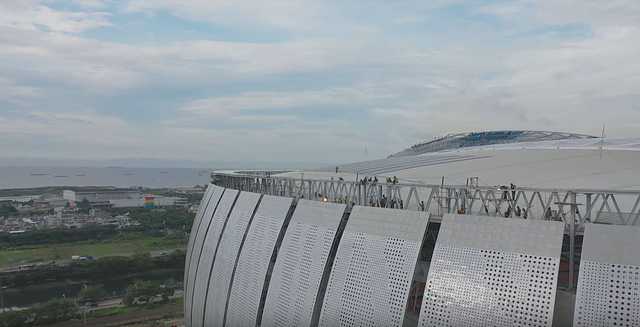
(158,202)
(100,196)
(194,190)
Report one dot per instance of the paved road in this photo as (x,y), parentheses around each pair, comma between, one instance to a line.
(154,253)
(124,318)
(113,303)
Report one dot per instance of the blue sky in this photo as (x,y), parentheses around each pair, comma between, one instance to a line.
(306,81)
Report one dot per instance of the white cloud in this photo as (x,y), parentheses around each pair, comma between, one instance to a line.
(8,90)
(90,4)
(240,99)
(38,17)
(338,97)
(106,66)
(281,14)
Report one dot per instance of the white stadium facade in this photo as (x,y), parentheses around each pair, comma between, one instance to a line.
(503,228)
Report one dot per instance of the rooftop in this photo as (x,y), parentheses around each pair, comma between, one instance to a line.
(101,190)
(463,140)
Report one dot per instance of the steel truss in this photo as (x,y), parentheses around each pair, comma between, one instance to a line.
(574,207)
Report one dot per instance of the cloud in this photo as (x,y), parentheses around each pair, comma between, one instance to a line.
(25,15)
(392,113)
(8,90)
(307,79)
(222,106)
(279,14)
(106,65)
(90,4)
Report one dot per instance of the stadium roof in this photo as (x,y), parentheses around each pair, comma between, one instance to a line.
(568,163)
(463,140)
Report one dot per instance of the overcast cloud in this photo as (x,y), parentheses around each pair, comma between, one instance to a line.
(306,81)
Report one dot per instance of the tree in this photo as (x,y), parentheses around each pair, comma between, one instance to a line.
(142,261)
(84,206)
(145,291)
(53,311)
(16,318)
(92,293)
(8,210)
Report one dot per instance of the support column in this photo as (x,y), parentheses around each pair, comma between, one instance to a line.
(572,239)
(587,214)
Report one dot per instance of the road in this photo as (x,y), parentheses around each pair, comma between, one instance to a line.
(125,318)
(153,253)
(113,303)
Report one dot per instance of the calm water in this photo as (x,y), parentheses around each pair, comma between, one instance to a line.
(29,297)
(22,177)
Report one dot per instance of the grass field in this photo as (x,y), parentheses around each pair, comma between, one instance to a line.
(65,251)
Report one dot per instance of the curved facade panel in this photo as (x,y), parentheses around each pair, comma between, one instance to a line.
(609,273)
(196,224)
(197,235)
(489,271)
(211,239)
(254,260)
(373,269)
(301,261)
(226,256)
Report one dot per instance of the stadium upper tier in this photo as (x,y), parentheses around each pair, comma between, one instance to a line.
(569,163)
(464,140)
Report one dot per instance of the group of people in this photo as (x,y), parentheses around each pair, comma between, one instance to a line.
(518,212)
(382,202)
(366,180)
(505,193)
(374,181)
(371,180)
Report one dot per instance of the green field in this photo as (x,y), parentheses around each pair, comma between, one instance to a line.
(65,251)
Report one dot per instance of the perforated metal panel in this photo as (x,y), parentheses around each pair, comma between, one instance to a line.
(196,221)
(301,261)
(225,259)
(203,269)
(489,271)
(194,227)
(607,292)
(373,268)
(197,237)
(254,260)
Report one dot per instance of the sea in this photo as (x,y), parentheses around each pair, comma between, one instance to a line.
(28,177)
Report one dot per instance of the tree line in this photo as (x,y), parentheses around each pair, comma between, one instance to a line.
(152,224)
(97,270)
(140,293)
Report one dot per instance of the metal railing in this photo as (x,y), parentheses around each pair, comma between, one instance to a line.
(574,207)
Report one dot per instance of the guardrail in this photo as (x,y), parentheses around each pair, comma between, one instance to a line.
(619,207)
(574,207)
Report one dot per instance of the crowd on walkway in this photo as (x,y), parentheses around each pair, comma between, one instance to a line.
(507,196)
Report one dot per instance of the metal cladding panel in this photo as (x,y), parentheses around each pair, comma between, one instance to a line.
(404,224)
(607,293)
(225,260)
(203,268)
(373,269)
(254,260)
(197,235)
(489,271)
(300,264)
(196,222)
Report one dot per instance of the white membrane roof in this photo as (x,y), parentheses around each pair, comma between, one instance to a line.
(575,164)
